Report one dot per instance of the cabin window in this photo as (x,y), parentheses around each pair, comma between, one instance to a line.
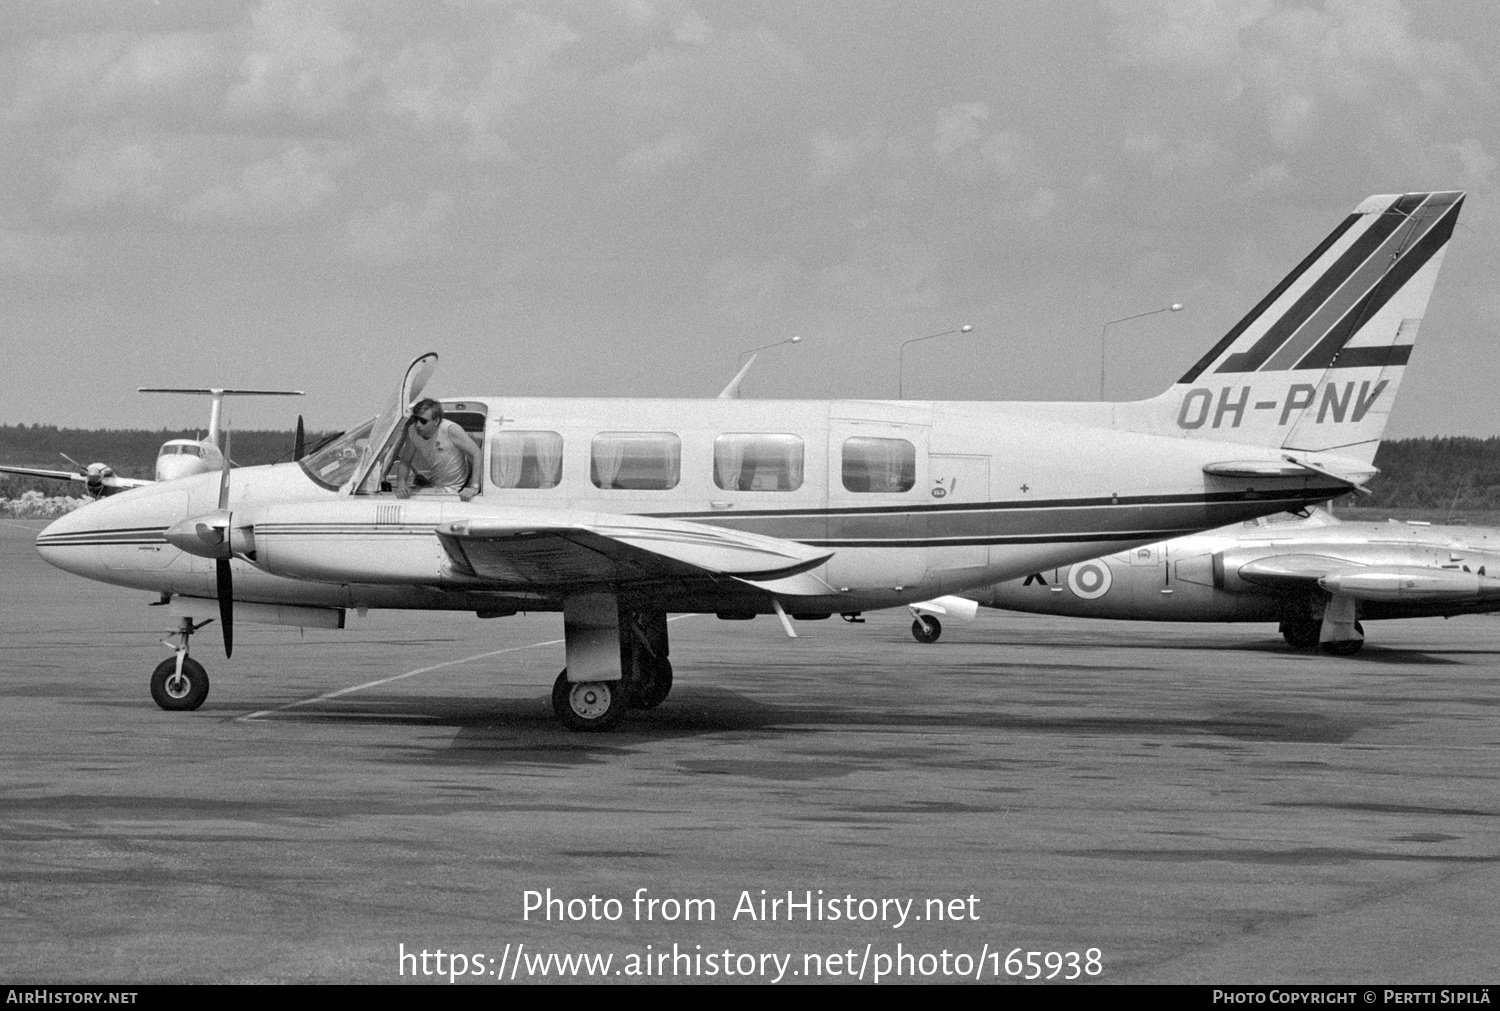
(636,461)
(879,465)
(758,462)
(525,459)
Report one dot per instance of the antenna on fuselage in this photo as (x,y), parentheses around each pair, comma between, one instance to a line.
(218,396)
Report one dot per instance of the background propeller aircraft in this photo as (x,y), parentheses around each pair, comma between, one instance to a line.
(616,512)
(176,458)
(1317,576)
(98,479)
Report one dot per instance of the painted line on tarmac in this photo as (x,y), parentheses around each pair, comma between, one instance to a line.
(397,677)
(411,673)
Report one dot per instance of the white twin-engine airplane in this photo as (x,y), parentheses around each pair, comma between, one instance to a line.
(176,458)
(616,512)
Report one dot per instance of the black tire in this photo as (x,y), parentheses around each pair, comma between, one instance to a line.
(652,690)
(588,706)
(1301,634)
(179,695)
(926,628)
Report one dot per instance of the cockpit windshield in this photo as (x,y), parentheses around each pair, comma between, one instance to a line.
(333,465)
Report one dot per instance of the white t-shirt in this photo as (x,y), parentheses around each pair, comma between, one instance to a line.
(439,459)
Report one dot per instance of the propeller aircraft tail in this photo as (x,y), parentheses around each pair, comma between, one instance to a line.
(1314,367)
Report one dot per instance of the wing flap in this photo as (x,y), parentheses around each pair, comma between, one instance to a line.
(538,549)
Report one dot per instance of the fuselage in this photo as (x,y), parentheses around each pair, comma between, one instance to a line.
(911,499)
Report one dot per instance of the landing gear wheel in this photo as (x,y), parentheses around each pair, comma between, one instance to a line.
(926,628)
(179,693)
(1302,634)
(652,690)
(588,705)
(1346,647)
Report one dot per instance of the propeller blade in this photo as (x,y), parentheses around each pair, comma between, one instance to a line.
(224,583)
(81,468)
(224,475)
(299,444)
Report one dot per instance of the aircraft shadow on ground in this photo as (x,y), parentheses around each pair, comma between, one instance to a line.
(1276,647)
(524,731)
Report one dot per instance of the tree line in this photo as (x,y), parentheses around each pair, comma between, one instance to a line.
(131,452)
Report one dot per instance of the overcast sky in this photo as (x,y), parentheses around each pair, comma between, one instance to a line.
(616,198)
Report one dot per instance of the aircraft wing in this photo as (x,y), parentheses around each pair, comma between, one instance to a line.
(111,483)
(1387,583)
(543,549)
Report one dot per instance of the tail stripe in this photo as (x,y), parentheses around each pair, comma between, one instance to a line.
(1353,291)
(1266,303)
(1370,357)
(1327,353)
(1358,255)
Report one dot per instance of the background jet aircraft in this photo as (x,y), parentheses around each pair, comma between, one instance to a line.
(616,512)
(1319,577)
(176,458)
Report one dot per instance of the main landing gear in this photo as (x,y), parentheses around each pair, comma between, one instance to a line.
(926,628)
(179,682)
(645,672)
(1306,635)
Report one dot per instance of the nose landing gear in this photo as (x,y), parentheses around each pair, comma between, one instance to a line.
(179,682)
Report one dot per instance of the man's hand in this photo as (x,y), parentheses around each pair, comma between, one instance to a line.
(402,491)
(468,493)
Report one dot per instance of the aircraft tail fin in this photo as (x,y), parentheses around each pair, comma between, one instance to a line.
(1315,365)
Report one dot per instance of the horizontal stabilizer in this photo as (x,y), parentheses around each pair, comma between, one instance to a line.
(1351,472)
(542,548)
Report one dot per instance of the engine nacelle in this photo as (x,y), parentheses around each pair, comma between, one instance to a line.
(1404,584)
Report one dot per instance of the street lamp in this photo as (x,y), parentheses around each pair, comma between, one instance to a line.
(1174,307)
(901,371)
(732,391)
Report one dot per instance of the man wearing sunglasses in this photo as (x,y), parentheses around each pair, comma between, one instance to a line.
(439,453)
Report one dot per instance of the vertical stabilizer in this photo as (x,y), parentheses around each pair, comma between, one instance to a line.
(1316,364)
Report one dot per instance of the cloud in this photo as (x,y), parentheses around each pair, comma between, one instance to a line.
(106,175)
(299,61)
(271,192)
(1303,67)
(398,232)
(167,75)
(33,254)
(658,156)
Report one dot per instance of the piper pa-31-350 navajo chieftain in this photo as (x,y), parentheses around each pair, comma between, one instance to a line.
(176,458)
(1317,576)
(616,512)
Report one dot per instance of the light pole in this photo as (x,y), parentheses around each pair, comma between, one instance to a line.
(1174,307)
(732,391)
(901,371)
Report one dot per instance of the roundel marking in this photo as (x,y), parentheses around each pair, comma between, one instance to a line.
(1089,580)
